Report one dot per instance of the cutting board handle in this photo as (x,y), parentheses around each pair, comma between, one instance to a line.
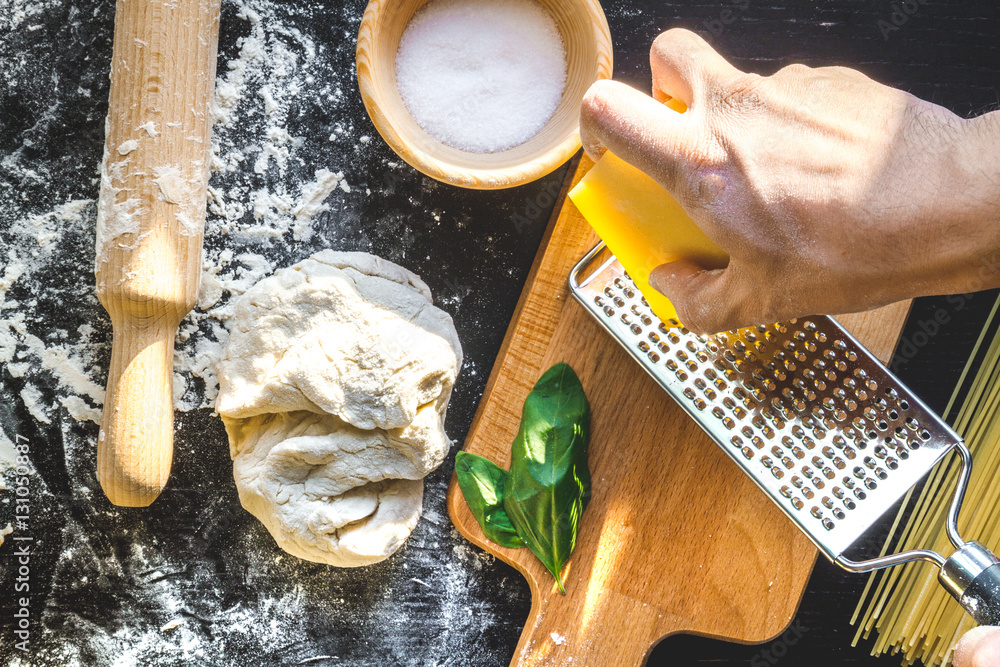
(549,640)
(135,447)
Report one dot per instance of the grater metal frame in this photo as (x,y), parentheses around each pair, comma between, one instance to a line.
(816,421)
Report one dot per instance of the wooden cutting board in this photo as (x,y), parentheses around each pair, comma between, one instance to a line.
(675,538)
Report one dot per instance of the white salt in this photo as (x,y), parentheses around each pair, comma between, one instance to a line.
(481,75)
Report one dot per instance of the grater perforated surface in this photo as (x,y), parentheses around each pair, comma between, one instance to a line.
(815,419)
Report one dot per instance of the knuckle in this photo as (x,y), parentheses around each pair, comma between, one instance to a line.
(671,40)
(703,318)
(743,94)
(693,163)
(704,163)
(711,187)
(692,177)
(732,305)
(794,70)
(595,100)
(842,72)
(671,175)
(660,46)
(595,111)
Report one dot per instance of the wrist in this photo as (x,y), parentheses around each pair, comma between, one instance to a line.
(979,158)
(960,227)
(981,163)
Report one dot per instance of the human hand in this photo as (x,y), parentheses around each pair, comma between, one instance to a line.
(830,192)
(980,647)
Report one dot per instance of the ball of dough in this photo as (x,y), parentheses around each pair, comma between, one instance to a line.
(343,333)
(333,388)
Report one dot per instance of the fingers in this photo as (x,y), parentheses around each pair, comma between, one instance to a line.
(980,647)
(701,296)
(593,108)
(686,67)
(638,129)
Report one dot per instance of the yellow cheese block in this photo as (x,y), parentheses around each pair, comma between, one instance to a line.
(642,225)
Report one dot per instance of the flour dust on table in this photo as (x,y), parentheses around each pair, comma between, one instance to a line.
(252,210)
(296,169)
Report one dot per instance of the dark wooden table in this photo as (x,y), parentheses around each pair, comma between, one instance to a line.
(105,580)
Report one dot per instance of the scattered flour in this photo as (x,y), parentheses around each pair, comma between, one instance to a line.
(273,182)
(115,218)
(69,359)
(172,625)
(128,146)
(13,13)
(32,398)
(79,410)
(172,186)
(4,532)
(312,201)
(150,129)
(255,93)
(256,208)
(8,457)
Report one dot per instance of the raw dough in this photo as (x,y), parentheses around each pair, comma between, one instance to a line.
(333,388)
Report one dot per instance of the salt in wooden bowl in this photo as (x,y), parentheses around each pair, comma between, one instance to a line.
(587,41)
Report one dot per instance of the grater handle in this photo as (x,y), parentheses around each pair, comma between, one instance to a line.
(982,598)
(972,576)
(972,573)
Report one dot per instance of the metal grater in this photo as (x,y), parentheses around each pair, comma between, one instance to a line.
(821,426)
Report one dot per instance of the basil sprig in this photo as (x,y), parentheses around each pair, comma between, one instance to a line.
(548,486)
(482,483)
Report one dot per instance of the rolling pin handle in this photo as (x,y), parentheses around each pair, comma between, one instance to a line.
(135,445)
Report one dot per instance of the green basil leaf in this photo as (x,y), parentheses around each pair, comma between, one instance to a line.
(548,485)
(482,483)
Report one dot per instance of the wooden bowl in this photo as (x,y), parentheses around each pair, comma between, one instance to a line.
(587,40)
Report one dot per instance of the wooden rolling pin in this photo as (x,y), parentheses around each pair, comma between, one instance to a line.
(150,223)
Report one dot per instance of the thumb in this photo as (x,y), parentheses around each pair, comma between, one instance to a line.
(980,647)
(701,296)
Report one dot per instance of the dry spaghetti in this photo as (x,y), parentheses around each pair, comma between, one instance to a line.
(911,613)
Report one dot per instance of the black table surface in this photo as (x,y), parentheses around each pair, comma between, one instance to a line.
(105,580)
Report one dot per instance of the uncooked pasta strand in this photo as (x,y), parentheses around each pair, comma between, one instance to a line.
(911,614)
